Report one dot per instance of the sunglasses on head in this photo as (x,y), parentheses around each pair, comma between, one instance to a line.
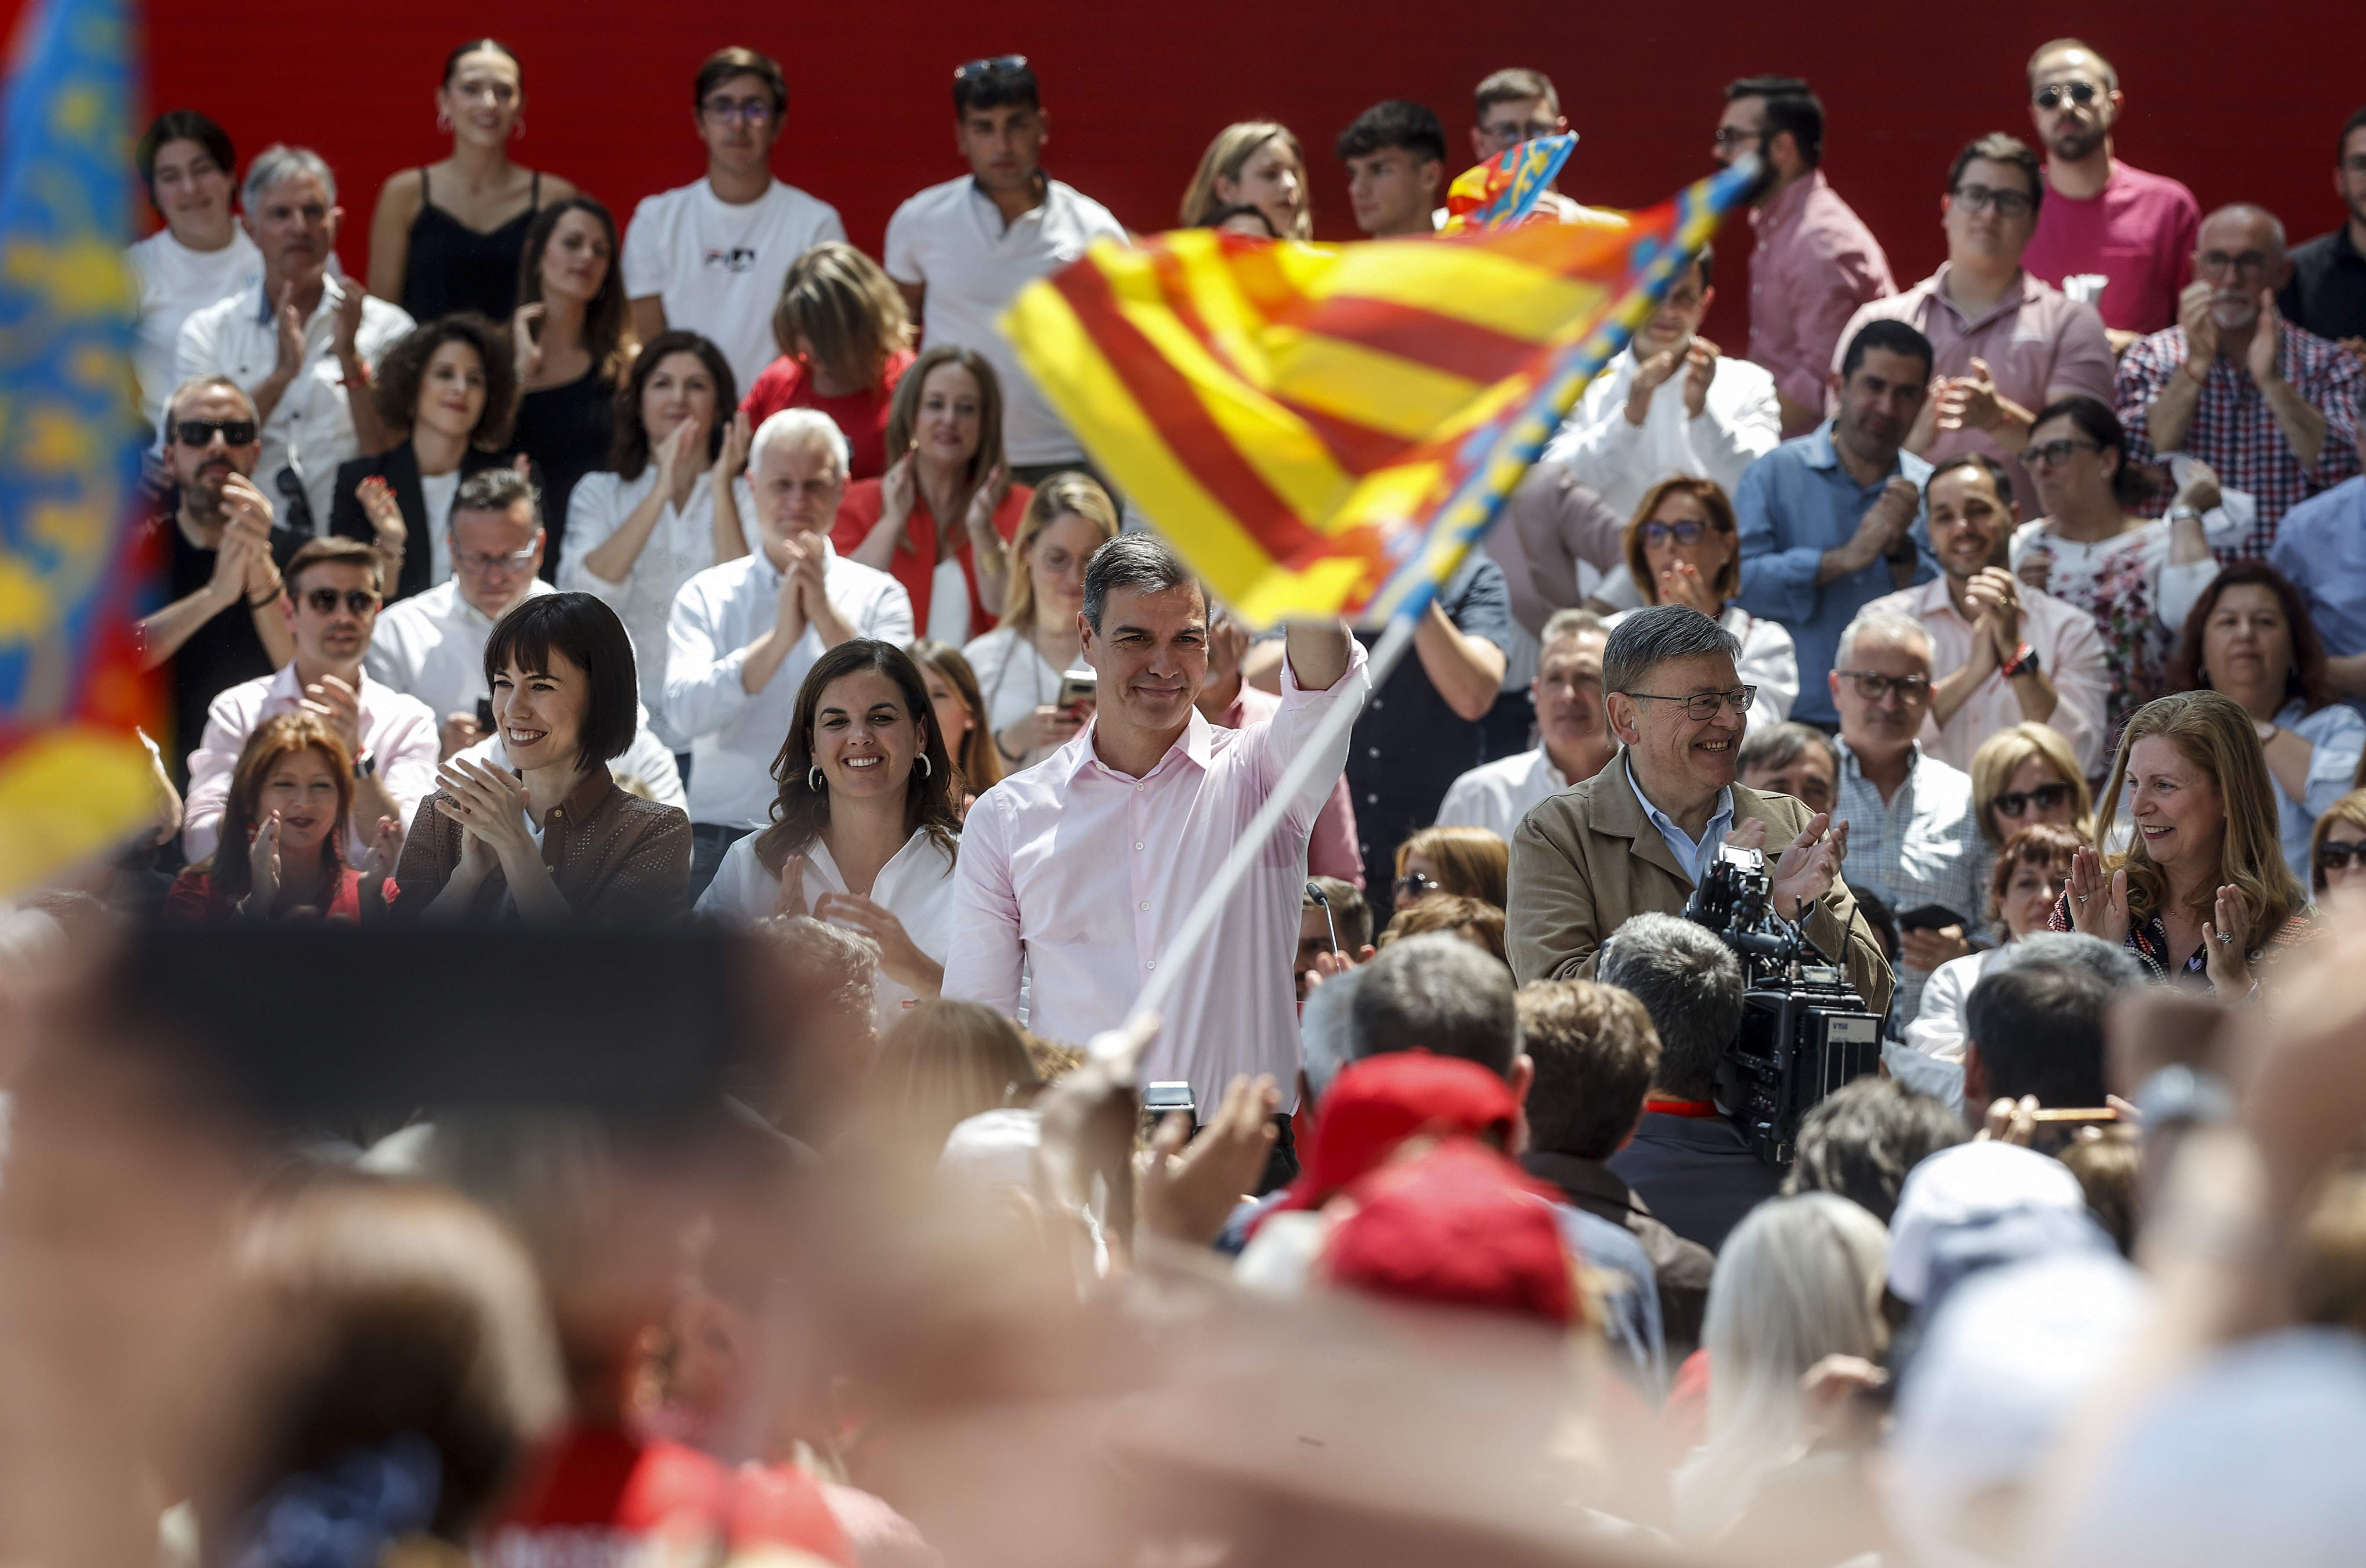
(2045,798)
(2335,856)
(2080,93)
(359,601)
(993,65)
(201,432)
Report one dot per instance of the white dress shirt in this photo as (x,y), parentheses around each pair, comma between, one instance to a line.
(680,547)
(432,646)
(1496,796)
(1768,660)
(2069,650)
(311,427)
(734,734)
(1075,877)
(174,283)
(915,885)
(397,732)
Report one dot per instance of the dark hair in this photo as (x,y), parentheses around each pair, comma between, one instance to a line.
(1595,1052)
(1893,337)
(2041,844)
(1398,122)
(1880,923)
(979,763)
(2356,122)
(588,635)
(2306,681)
(1440,994)
(630,454)
(404,368)
(334,548)
(1144,561)
(1690,982)
(496,489)
(474,46)
(2131,485)
(184,125)
(1971,458)
(607,323)
(1509,86)
(230,873)
(1780,745)
(800,812)
(2039,1030)
(995,86)
(725,64)
(1649,637)
(1350,915)
(1861,1139)
(1996,147)
(1791,106)
(1712,499)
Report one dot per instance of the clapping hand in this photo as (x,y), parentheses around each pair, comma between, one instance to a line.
(526,349)
(1650,375)
(348,325)
(1808,868)
(1994,595)
(675,450)
(1700,369)
(489,804)
(2225,938)
(385,514)
(790,900)
(2201,328)
(1969,401)
(731,457)
(896,488)
(291,334)
(384,852)
(1681,583)
(336,703)
(2267,340)
(984,500)
(901,958)
(263,869)
(2096,908)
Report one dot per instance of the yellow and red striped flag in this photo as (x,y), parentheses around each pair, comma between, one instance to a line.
(1325,429)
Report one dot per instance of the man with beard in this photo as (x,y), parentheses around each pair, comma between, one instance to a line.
(1816,261)
(2116,237)
(222,623)
(1575,733)
(2271,409)
(2327,291)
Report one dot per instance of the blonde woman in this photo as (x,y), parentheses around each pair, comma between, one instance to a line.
(2202,892)
(846,341)
(1256,164)
(2023,777)
(2337,848)
(1022,663)
(1471,862)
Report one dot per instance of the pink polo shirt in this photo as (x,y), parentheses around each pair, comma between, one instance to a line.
(2069,650)
(2137,237)
(1075,877)
(1816,262)
(2038,344)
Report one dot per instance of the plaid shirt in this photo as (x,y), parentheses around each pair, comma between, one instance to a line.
(1922,847)
(2234,430)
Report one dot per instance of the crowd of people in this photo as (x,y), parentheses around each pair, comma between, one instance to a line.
(707,571)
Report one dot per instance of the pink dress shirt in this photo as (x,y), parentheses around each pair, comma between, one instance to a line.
(1332,851)
(1074,877)
(2137,237)
(2039,343)
(2069,650)
(1814,264)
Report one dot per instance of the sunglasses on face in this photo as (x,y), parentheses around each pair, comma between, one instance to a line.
(2335,856)
(1682,533)
(324,601)
(2050,96)
(2045,798)
(1413,885)
(201,432)
(1874,686)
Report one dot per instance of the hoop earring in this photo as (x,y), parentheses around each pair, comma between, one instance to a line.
(926,767)
(444,122)
(813,779)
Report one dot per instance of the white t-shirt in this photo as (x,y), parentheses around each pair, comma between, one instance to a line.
(950,239)
(174,281)
(437,490)
(718,268)
(1014,680)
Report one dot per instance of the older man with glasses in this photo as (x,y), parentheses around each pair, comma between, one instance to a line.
(1638,836)
(2003,344)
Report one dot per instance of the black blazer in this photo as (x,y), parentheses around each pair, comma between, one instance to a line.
(398,466)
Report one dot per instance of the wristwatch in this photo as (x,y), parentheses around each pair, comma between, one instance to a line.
(366,764)
(2180,511)
(2025,662)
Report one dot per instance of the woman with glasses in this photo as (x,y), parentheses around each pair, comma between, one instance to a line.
(2337,849)
(573,344)
(2023,777)
(1683,548)
(1469,862)
(2251,638)
(2032,870)
(2139,577)
(447,237)
(1255,164)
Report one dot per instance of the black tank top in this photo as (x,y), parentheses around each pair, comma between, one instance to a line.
(455,267)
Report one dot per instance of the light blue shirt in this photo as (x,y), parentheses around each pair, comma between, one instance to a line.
(1695,858)
(1794,503)
(2321,545)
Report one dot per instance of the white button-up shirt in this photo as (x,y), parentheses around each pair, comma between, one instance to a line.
(1922,847)
(734,733)
(432,646)
(1075,877)
(1496,796)
(2069,650)
(680,547)
(399,733)
(915,885)
(311,427)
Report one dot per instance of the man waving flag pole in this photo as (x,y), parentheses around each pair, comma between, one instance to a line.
(1325,430)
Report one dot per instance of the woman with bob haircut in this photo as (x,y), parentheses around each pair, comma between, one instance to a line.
(572,335)
(2337,849)
(452,384)
(2030,871)
(865,826)
(552,838)
(1255,164)
(2203,894)
(281,853)
(1685,548)
(846,341)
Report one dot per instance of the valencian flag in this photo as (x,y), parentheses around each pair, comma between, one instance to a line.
(74,776)
(1505,188)
(1325,429)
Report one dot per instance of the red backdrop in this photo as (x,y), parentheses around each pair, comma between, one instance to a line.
(1135,93)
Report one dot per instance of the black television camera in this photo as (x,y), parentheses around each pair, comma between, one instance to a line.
(1804,1031)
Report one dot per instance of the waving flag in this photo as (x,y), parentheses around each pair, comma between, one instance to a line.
(1325,430)
(74,776)
(1506,187)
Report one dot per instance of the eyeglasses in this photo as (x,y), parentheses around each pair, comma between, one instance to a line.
(2219,263)
(1730,137)
(2045,798)
(2080,93)
(201,432)
(324,601)
(1874,686)
(477,560)
(1413,885)
(993,65)
(2007,203)
(2054,453)
(749,111)
(1703,706)
(1685,533)
(1511,133)
(2335,856)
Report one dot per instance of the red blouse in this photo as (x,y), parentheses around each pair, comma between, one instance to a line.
(786,384)
(914,564)
(192,900)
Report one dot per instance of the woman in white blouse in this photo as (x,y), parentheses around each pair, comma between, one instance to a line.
(865,827)
(1019,664)
(676,502)
(1683,549)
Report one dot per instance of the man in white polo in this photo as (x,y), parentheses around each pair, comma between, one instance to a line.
(1572,722)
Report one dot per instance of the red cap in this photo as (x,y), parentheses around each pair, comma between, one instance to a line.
(1458,1225)
(1377,1103)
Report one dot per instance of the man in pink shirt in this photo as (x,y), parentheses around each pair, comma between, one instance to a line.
(1076,873)
(1816,262)
(2113,236)
(2006,345)
(2001,653)
(1230,702)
